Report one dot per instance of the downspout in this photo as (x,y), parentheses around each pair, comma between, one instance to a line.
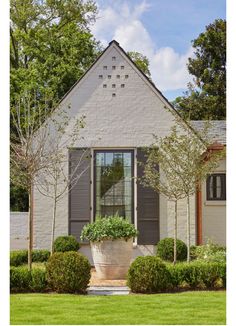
(199,214)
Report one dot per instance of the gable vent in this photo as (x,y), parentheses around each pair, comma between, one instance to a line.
(105,67)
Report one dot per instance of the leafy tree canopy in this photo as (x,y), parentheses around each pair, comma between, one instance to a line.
(50,44)
(141,61)
(206,96)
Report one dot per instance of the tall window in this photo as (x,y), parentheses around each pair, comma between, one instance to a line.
(114,184)
(216,186)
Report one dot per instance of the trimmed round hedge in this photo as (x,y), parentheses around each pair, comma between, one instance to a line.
(68,272)
(165,249)
(148,275)
(66,243)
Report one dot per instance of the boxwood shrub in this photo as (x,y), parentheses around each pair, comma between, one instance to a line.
(165,249)
(68,272)
(20,257)
(148,275)
(22,280)
(66,243)
(197,274)
(38,280)
(40,256)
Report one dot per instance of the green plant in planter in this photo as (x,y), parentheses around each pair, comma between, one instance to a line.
(108,228)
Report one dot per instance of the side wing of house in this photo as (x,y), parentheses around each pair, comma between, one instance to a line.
(211,200)
(122,110)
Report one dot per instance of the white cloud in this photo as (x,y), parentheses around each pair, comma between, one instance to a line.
(122,22)
(169,69)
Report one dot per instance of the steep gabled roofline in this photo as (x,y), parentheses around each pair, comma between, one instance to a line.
(143,75)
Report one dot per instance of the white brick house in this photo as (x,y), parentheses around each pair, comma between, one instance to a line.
(123,110)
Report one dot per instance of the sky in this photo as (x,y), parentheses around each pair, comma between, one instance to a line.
(160,29)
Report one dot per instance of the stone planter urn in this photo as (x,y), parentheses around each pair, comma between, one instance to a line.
(112,258)
(111,240)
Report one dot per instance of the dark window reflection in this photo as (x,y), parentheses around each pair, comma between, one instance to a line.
(114,183)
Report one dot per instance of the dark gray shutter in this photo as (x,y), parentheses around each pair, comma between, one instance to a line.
(80,194)
(147,208)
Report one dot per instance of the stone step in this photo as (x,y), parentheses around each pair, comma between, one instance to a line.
(108,290)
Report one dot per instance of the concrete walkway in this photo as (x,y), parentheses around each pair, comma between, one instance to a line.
(108,290)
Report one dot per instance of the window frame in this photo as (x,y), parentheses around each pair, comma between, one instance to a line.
(132,177)
(223,185)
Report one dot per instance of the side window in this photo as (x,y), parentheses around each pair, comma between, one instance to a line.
(216,186)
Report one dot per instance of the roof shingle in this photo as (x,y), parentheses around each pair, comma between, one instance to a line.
(217,129)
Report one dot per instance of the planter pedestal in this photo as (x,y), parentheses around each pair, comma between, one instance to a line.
(112,258)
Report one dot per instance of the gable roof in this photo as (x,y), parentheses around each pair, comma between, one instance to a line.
(216,132)
(114,42)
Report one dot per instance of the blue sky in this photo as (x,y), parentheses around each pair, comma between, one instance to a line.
(160,29)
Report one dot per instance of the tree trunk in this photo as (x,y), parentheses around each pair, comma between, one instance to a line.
(188,229)
(175,234)
(30,228)
(53,224)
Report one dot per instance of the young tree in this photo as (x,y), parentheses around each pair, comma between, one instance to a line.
(54,181)
(51,47)
(28,155)
(206,96)
(39,145)
(158,174)
(184,153)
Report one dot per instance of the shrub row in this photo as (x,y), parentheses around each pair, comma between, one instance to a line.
(22,280)
(198,274)
(61,244)
(151,275)
(67,272)
(20,257)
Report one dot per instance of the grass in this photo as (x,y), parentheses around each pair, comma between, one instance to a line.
(194,308)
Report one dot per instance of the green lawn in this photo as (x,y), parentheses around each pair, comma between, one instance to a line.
(180,308)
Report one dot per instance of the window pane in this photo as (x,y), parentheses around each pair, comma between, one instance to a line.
(99,159)
(127,159)
(218,186)
(109,158)
(211,187)
(114,184)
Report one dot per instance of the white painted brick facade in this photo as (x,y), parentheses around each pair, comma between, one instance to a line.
(167,225)
(127,120)
(18,225)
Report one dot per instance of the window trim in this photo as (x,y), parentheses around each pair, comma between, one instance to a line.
(223,184)
(95,151)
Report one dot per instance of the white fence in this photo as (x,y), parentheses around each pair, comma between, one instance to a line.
(18,230)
